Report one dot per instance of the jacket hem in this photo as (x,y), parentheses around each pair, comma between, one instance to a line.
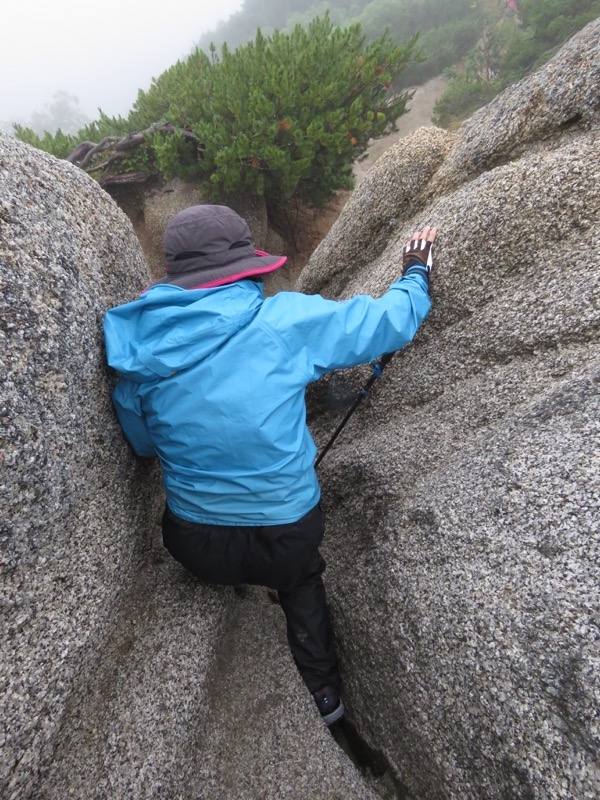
(240,521)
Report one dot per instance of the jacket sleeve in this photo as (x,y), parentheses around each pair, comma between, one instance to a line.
(324,335)
(128,406)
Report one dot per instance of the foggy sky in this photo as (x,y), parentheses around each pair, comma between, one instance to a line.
(101,53)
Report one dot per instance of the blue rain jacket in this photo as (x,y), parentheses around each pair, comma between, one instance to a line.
(213,383)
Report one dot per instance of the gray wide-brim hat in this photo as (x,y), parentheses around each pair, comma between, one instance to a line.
(208,246)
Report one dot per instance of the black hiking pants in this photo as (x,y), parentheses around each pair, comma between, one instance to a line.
(282,557)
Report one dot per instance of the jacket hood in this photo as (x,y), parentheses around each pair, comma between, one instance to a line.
(168,329)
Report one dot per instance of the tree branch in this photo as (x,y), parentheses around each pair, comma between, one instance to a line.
(123,178)
(83,155)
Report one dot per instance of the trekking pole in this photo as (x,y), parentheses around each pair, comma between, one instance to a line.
(378,368)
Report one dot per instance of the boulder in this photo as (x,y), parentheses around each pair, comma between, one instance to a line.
(76,506)
(464,496)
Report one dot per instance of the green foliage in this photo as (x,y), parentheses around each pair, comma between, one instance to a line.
(556,20)
(403,17)
(61,144)
(508,49)
(287,112)
(140,159)
(447,29)
(284,115)
(58,144)
(463,96)
(104,126)
(547,24)
(168,90)
(441,48)
(339,16)
(173,154)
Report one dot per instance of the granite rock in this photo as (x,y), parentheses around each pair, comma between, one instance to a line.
(75,504)
(464,496)
(196,697)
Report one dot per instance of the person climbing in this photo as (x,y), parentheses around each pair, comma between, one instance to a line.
(212,382)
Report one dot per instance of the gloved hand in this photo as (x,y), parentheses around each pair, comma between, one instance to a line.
(418,253)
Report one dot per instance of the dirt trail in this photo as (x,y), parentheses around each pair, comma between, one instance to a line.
(420,109)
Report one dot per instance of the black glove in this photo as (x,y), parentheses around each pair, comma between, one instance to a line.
(418,257)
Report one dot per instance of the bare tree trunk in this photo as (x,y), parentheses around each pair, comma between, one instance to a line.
(83,156)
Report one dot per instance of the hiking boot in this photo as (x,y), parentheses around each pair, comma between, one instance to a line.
(330,704)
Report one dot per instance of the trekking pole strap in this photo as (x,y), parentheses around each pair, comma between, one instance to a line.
(378,368)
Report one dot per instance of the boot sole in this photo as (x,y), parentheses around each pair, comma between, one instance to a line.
(335,715)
